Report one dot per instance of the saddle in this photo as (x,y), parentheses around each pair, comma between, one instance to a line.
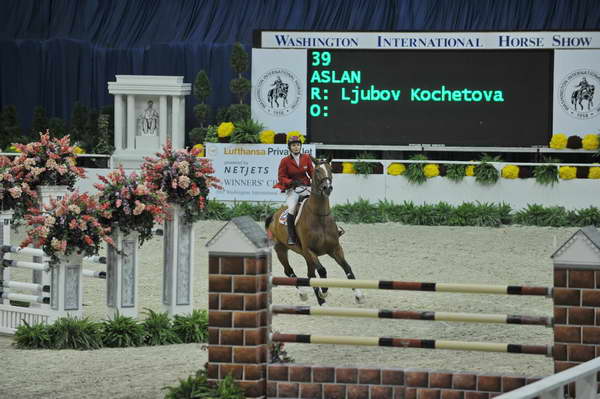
(299,207)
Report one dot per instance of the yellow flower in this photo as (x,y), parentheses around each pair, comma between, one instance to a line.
(591,142)
(470,170)
(594,172)
(225,129)
(12,148)
(78,150)
(396,169)
(510,172)
(295,133)
(431,170)
(267,136)
(201,148)
(558,141)
(348,167)
(567,172)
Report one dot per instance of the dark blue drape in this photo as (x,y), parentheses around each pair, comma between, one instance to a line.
(56,52)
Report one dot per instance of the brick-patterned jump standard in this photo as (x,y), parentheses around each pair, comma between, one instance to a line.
(239,297)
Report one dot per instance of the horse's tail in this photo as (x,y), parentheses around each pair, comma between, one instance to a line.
(268,221)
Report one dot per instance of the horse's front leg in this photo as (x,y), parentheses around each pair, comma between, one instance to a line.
(312,262)
(338,255)
(282,254)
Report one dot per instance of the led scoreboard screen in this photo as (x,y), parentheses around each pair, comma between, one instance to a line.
(446,97)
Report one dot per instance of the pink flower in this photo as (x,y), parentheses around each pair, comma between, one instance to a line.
(184,182)
(88,240)
(118,203)
(73,224)
(139,208)
(15,192)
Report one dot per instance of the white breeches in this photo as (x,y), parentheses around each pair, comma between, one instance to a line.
(293,195)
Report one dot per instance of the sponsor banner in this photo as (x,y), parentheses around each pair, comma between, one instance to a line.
(576,83)
(248,172)
(430,40)
(279,90)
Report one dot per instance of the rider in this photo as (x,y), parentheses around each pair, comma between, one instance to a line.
(295,171)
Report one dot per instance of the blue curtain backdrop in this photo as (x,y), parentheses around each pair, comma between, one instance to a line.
(56,52)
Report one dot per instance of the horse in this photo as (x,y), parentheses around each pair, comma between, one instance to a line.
(316,231)
(280,90)
(584,93)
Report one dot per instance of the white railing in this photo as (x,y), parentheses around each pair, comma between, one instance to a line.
(552,387)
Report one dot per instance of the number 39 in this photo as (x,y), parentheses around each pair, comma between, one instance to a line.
(321,58)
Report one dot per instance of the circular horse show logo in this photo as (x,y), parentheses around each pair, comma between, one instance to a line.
(576,94)
(278,92)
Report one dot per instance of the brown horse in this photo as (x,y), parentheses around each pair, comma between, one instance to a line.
(316,230)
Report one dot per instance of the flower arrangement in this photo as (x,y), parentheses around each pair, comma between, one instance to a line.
(567,172)
(127,201)
(348,168)
(594,172)
(200,149)
(67,226)
(558,141)
(574,142)
(185,178)
(50,161)
(510,172)
(396,169)
(225,129)
(15,196)
(295,133)
(431,170)
(591,142)
(267,137)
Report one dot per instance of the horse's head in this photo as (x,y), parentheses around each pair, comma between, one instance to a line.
(322,177)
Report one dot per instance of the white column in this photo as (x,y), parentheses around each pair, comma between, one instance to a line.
(131,122)
(122,275)
(177,118)
(119,122)
(5,220)
(180,137)
(178,263)
(162,121)
(67,293)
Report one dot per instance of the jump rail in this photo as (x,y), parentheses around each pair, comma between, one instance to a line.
(413,286)
(413,343)
(413,315)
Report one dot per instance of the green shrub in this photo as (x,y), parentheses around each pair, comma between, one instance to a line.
(158,328)
(34,336)
(455,172)
(246,131)
(485,172)
(361,166)
(586,217)
(193,327)
(546,174)
(198,386)
(74,333)
(122,332)
(537,215)
(414,171)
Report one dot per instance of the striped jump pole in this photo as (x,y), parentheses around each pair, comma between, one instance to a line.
(413,286)
(93,274)
(26,265)
(414,343)
(413,315)
(24,298)
(24,286)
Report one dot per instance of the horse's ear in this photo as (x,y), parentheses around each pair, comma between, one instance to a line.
(329,158)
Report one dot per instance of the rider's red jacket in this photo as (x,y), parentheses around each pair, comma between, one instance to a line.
(290,171)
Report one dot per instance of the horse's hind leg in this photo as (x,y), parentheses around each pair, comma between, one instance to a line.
(338,255)
(282,254)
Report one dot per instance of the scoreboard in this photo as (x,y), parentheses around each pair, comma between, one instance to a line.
(459,98)
(467,89)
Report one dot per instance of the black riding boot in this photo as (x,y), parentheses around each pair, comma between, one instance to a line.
(292,240)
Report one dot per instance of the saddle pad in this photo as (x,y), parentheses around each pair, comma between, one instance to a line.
(283,216)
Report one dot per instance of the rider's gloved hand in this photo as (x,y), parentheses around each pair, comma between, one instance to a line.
(296,183)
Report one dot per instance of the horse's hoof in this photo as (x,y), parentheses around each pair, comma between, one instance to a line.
(303,296)
(360,299)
